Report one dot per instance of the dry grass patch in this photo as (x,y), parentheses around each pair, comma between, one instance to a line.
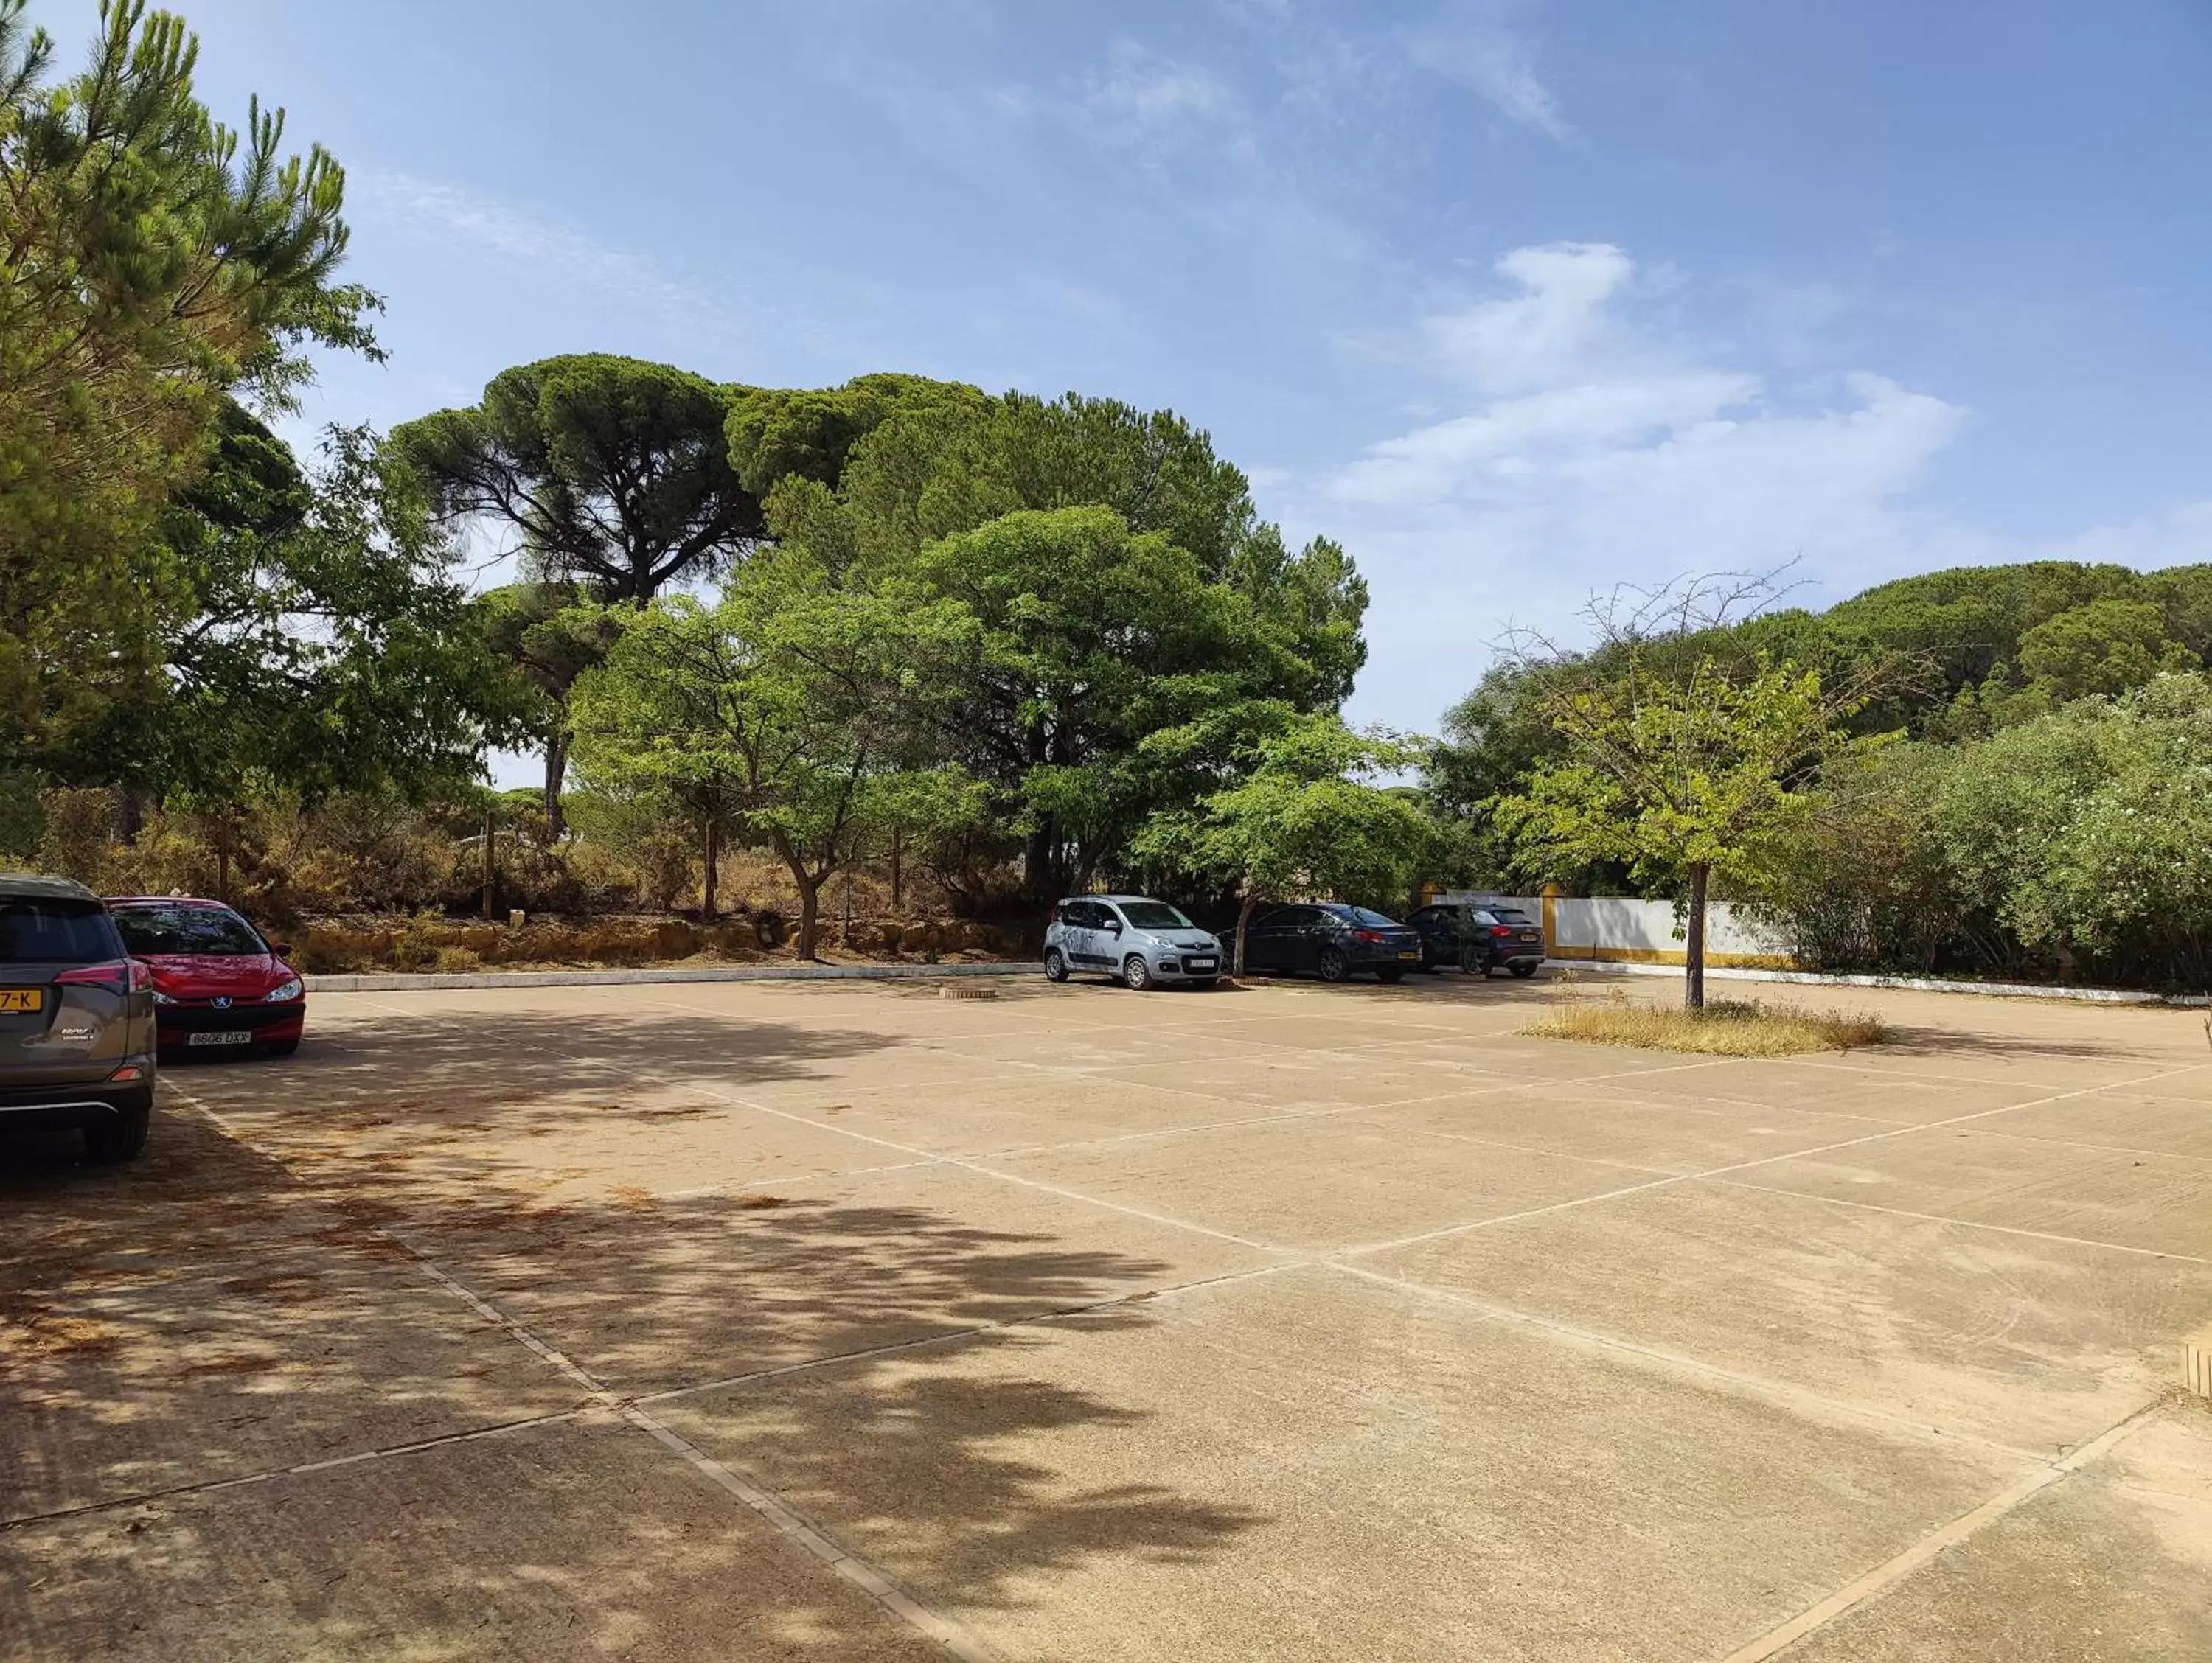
(1727,1027)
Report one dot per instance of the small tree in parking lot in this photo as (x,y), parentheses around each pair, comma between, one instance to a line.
(1307,817)
(1683,763)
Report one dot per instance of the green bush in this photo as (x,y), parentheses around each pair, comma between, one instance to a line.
(2071,845)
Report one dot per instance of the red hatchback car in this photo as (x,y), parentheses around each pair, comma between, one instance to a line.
(219,986)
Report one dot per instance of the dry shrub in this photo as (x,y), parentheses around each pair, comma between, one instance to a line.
(74,836)
(1728,1028)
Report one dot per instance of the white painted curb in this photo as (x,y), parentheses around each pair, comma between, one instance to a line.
(384,981)
(2011,990)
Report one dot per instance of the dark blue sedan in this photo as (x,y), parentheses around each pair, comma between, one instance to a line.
(1332,941)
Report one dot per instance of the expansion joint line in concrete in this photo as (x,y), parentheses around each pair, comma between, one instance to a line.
(1765,1161)
(1890,1572)
(787,1522)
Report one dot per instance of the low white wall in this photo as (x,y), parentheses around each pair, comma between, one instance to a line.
(1636,931)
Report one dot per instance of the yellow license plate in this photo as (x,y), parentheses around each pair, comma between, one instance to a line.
(32,999)
(1414,953)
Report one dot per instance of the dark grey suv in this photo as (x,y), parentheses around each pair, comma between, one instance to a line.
(76,1018)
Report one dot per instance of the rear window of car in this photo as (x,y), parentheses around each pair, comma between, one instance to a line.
(38,929)
(1153,915)
(1363,918)
(212,929)
(1511,915)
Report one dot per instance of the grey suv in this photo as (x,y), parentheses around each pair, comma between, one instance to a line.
(1141,941)
(76,1018)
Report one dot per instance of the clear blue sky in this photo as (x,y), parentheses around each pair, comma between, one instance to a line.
(1516,300)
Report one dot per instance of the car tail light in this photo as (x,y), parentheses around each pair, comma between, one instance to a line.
(1367,935)
(117,976)
(128,1071)
(142,975)
(1506,929)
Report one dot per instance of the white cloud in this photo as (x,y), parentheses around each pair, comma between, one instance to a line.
(1548,333)
(2180,536)
(1144,90)
(1598,446)
(1498,66)
(544,247)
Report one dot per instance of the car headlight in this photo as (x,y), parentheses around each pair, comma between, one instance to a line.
(161,997)
(287,989)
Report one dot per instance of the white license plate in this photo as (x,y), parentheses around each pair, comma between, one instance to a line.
(1198,964)
(229,1036)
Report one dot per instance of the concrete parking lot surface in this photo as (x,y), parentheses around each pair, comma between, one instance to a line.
(845,1321)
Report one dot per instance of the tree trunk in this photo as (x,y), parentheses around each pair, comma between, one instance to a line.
(1243,919)
(490,858)
(809,909)
(713,853)
(898,889)
(223,867)
(1037,864)
(557,771)
(1693,990)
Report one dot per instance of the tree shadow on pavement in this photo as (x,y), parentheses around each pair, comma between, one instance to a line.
(232,1305)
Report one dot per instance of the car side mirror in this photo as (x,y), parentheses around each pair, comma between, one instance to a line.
(1114,926)
(282,949)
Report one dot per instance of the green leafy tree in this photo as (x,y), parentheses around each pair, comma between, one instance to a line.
(1306,818)
(1120,584)
(151,261)
(611,478)
(336,652)
(2083,832)
(665,720)
(1681,766)
(1086,637)
(2107,646)
(778,712)
(547,634)
(608,472)
(777,434)
(1862,881)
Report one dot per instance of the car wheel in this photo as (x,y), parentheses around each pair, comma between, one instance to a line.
(1428,959)
(120,1139)
(283,1048)
(1390,973)
(1524,971)
(1332,965)
(1055,965)
(1135,973)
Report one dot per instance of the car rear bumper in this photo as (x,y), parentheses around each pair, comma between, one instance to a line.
(1390,956)
(47,1108)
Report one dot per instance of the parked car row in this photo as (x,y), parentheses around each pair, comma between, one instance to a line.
(1144,942)
(94,993)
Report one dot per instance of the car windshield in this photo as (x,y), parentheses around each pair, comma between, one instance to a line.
(1153,915)
(214,930)
(36,930)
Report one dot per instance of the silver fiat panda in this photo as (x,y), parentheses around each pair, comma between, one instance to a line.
(1139,941)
